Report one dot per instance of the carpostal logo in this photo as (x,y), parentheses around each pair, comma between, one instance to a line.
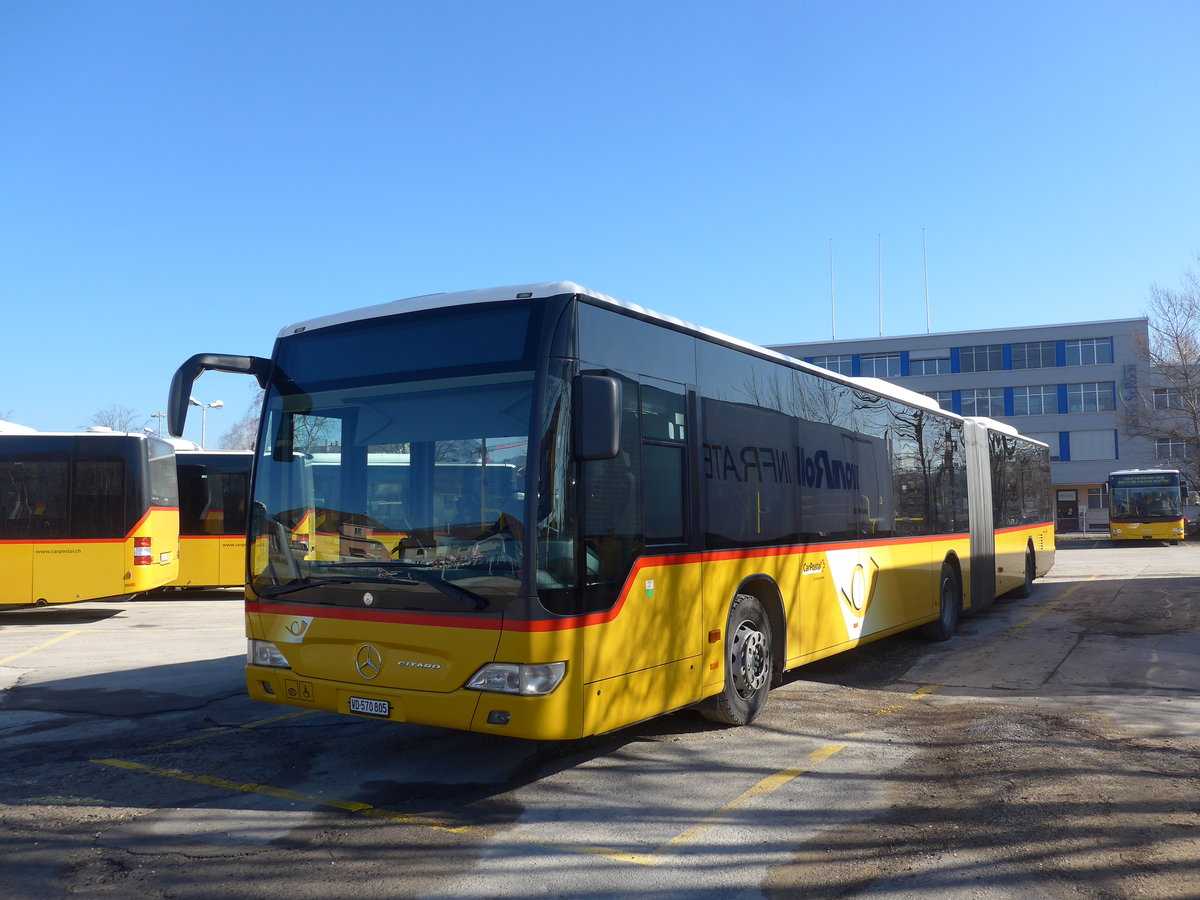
(812,568)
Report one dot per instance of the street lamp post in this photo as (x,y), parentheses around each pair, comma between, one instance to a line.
(204,408)
(158,425)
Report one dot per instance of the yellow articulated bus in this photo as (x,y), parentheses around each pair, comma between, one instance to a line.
(86,516)
(213,500)
(685,516)
(1145,505)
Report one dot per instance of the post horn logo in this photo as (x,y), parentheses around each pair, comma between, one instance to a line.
(368,661)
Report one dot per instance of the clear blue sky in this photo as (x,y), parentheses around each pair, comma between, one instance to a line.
(191,176)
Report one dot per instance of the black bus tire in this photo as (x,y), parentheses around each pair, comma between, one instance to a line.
(748,665)
(1030,573)
(949,605)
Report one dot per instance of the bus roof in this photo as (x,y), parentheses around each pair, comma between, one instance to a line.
(558,288)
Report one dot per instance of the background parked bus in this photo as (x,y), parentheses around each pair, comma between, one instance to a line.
(695,515)
(86,516)
(1146,505)
(213,502)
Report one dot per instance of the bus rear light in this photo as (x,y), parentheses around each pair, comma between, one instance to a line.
(142,554)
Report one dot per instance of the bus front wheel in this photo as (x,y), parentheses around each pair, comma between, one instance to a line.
(748,665)
(949,604)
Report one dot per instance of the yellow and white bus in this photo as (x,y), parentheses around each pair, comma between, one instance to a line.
(1146,505)
(86,516)
(692,515)
(213,500)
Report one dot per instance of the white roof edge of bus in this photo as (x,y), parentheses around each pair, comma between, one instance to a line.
(1005,428)
(7,427)
(440,301)
(109,433)
(553,289)
(182,443)
(995,425)
(896,392)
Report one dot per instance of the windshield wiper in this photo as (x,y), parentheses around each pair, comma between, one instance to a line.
(468,598)
(271,592)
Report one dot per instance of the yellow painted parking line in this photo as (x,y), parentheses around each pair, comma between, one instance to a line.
(217,730)
(353,806)
(1033,617)
(41,646)
(969,662)
(768,785)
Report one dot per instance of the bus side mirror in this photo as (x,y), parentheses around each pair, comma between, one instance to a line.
(597,417)
(185,376)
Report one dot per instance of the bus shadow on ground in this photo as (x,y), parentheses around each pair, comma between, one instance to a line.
(56,616)
(133,693)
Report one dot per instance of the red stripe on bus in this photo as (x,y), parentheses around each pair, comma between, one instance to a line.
(373,615)
(142,520)
(568,623)
(115,540)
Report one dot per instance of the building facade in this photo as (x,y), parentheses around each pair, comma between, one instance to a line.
(1065,385)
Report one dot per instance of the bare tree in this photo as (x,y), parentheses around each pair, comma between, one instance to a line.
(243,432)
(119,418)
(1168,412)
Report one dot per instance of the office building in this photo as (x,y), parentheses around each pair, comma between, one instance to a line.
(1065,385)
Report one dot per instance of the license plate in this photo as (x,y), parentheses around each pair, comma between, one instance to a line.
(365,707)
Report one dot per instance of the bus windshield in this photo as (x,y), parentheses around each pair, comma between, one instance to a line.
(1145,497)
(409,490)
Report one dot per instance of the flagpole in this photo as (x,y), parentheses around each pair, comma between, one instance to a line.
(925,260)
(881,285)
(832,296)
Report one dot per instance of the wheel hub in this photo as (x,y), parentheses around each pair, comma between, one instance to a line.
(748,660)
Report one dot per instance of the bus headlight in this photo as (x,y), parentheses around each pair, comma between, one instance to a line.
(264,653)
(517,678)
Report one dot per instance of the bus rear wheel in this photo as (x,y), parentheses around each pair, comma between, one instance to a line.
(1030,573)
(748,665)
(949,605)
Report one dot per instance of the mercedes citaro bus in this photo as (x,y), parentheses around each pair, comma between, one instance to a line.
(688,517)
(86,516)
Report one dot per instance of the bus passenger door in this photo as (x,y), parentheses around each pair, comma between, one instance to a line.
(635,526)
